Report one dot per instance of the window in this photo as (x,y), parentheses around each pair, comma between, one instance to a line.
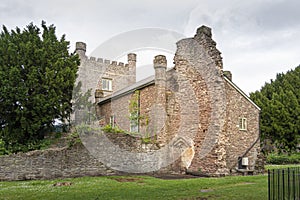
(134,110)
(243,124)
(112,121)
(134,122)
(107,84)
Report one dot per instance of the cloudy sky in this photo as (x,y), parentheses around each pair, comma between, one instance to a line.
(257,38)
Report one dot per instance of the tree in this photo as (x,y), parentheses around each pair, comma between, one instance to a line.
(280,115)
(37,75)
(82,106)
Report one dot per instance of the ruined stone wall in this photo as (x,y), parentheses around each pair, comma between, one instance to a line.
(239,141)
(104,113)
(146,101)
(120,109)
(172,122)
(203,101)
(198,60)
(49,164)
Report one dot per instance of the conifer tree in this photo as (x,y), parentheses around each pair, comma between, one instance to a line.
(37,74)
(280,115)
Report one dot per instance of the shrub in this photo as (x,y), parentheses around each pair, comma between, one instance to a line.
(3,150)
(283,159)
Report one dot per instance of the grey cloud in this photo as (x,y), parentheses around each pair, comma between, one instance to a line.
(251,34)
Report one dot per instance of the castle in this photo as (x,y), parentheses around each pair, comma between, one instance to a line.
(193,106)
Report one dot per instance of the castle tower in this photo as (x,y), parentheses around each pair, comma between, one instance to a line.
(160,66)
(81,49)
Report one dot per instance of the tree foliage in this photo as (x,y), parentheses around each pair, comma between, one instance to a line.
(81,100)
(83,108)
(37,74)
(280,115)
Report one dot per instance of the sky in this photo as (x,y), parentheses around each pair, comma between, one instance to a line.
(257,38)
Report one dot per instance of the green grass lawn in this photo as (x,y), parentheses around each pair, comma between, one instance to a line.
(139,187)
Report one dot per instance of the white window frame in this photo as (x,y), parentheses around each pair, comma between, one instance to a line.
(106,84)
(243,123)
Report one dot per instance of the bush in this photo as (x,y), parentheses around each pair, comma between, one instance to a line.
(3,150)
(283,159)
(109,129)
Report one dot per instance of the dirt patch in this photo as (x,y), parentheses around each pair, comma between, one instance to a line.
(175,176)
(62,184)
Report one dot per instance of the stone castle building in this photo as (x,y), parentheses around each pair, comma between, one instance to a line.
(193,105)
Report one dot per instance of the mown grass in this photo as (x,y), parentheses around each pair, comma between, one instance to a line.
(139,187)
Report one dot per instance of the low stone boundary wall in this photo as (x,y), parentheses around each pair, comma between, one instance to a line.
(50,164)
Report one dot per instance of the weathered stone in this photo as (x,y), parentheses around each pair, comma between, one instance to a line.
(50,164)
(194,106)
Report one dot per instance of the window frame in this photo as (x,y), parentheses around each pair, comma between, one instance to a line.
(104,82)
(243,124)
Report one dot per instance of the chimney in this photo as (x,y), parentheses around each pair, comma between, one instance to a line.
(80,49)
(131,58)
(160,67)
(98,95)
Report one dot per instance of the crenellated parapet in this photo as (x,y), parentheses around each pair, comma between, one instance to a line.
(81,51)
(93,70)
(104,61)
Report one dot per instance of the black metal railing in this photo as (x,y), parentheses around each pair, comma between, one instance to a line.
(284,184)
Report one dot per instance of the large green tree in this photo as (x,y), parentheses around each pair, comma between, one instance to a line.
(280,115)
(37,75)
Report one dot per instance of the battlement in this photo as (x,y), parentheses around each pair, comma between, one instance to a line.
(105,61)
(81,50)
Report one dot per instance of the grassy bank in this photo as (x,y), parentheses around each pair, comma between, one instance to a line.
(138,187)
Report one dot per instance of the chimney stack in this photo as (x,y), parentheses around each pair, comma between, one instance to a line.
(160,67)
(131,59)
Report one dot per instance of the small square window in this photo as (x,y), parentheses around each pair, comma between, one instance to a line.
(107,84)
(243,123)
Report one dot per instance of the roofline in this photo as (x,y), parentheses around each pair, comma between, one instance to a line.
(241,92)
(129,90)
(119,93)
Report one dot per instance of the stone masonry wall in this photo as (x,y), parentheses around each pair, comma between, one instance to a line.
(199,87)
(198,60)
(92,70)
(119,107)
(50,164)
(239,141)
